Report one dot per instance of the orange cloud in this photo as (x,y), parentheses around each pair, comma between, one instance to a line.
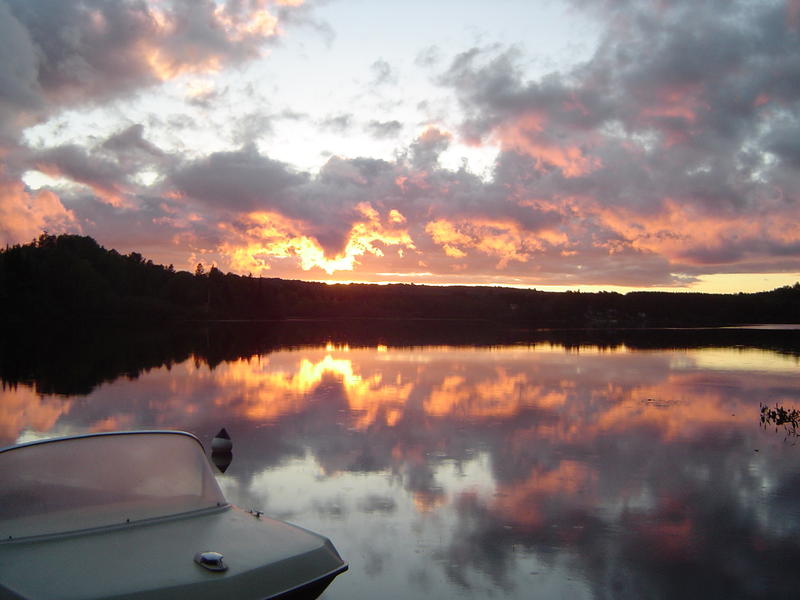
(376,391)
(24,214)
(256,22)
(264,392)
(447,235)
(22,407)
(503,239)
(501,396)
(166,67)
(396,217)
(261,390)
(667,409)
(681,228)
(270,236)
(243,23)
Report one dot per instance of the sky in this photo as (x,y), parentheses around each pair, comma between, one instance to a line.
(557,144)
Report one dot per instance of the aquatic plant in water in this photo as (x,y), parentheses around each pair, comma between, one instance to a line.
(789,418)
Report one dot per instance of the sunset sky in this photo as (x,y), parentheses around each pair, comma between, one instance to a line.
(589,144)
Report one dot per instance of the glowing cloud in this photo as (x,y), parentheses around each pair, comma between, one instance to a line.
(270,236)
(24,214)
(505,240)
(667,155)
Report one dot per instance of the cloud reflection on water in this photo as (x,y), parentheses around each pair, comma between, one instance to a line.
(624,474)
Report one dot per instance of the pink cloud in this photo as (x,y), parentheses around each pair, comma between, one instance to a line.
(25,214)
(528,134)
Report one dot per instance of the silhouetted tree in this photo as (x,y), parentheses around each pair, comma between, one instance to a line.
(69,276)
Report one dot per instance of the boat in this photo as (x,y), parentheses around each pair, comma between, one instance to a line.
(139,515)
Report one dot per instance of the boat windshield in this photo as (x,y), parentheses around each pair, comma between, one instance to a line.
(99,480)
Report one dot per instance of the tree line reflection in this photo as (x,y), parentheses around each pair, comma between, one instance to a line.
(74,358)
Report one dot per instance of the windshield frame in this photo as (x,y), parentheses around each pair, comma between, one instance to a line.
(78,436)
(207,478)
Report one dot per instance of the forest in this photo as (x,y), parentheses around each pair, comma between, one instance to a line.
(72,278)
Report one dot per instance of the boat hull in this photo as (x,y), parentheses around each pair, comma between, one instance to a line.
(266,559)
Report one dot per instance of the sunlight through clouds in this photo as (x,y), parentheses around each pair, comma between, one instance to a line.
(609,146)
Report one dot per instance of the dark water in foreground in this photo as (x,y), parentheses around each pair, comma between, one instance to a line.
(534,470)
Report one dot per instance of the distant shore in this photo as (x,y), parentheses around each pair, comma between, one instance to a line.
(70,277)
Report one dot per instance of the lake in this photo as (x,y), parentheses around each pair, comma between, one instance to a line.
(535,466)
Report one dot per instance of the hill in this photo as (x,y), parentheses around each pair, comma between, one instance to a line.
(70,277)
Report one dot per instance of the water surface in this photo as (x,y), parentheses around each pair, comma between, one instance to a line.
(510,471)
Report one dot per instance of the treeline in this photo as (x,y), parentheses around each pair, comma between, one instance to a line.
(73,277)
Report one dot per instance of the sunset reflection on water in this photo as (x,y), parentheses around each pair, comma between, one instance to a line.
(513,471)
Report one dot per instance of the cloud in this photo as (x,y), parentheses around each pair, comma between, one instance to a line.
(252,126)
(131,141)
(108,167)
(20,91)
(251,213)
(65,53)
(364,214)
(75,163)
(24,214)
(326,210)
(661,142)
(428,57)
(60,55)
(240,180)
(384,129)
(382,73)
(337,123)
(784,143)
(425,150)
(668,154)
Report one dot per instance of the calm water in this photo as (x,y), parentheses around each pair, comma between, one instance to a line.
(518,471)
